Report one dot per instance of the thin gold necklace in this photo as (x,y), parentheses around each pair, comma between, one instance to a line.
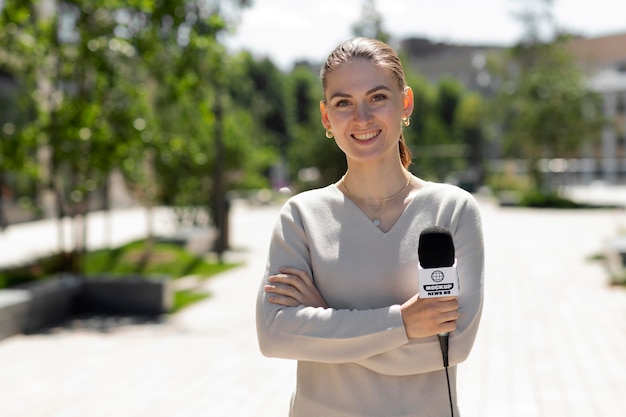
(376,221)
(382,200)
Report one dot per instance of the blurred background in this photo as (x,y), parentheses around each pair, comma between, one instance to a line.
(186,104)
(131,132)
(179,103)
(190,105)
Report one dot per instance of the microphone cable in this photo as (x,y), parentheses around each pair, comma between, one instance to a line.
(443,342)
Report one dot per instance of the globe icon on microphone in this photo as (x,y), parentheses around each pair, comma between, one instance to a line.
(437,276)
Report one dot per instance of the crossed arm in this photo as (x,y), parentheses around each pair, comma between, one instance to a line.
(426,317)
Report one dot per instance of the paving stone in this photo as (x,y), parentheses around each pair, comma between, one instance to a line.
(552,339)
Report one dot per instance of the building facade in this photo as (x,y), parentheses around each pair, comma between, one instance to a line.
(603,61)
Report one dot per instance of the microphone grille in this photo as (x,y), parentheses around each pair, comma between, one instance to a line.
(436,248)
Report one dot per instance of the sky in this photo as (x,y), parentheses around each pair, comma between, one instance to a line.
(289,30)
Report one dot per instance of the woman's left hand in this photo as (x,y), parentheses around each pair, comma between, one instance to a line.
(293,287)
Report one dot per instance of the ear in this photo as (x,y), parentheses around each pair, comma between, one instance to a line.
(324,115)
(408,101)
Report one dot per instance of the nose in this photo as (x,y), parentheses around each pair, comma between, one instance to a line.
(362,114)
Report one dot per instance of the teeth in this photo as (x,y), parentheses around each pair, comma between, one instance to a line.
(365,136)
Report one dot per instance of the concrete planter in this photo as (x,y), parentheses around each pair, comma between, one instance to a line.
(127,295)
(30,307)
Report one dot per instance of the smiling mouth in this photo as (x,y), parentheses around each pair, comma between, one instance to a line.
(366,136)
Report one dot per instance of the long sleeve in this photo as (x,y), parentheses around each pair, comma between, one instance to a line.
(365,275)
(315,334)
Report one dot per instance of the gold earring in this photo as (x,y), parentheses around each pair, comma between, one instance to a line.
(406,121)
(329,134)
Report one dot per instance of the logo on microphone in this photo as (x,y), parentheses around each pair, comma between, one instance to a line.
(438,282)
(437,275)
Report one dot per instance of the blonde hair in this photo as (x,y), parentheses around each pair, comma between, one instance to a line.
(379,54)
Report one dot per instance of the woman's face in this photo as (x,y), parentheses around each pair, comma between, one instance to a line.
(364,108)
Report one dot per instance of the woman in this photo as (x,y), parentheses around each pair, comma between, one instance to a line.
(340,292)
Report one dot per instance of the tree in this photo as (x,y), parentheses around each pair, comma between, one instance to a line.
(314,159)
(189,152)
(259,88)
(544,106)
(59,59)
(469,128)
(438,135)
(95,69)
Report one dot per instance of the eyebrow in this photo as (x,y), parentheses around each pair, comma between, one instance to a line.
(373,90)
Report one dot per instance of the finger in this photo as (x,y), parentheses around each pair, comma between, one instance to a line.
(447,327)
(448,305)
(451,316)
(291,280)
(284,278)
(282,300)
(303,276)
(285,284)
(441,311)
(284,290)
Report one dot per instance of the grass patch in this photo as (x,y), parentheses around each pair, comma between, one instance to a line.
(185,298)
(161,259)
(135,258)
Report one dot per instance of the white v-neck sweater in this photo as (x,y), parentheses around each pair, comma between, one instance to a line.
(354,358)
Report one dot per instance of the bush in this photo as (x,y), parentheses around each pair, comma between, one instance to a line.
(540,199)
(508,183)
(135,258)
(39,269)
(547,200)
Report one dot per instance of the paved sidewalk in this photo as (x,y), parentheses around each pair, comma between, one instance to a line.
(553,337)
(552,341)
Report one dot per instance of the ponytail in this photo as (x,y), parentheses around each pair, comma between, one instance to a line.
(405,152)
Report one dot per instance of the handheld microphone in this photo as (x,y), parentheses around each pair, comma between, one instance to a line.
(437,270)
(438,277)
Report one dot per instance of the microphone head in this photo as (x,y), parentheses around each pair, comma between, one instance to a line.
(436,248)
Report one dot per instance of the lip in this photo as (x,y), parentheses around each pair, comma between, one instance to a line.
(366,137)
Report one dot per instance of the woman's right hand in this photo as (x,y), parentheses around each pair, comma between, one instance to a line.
(424,317)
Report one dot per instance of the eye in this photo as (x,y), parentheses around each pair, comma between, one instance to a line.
(342,103)
(379,97)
